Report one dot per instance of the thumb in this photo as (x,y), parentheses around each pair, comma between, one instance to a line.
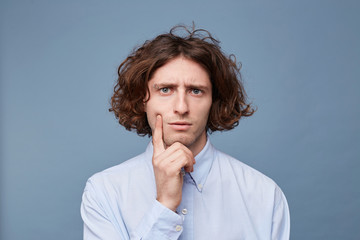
(157,139)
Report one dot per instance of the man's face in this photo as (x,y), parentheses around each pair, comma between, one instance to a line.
(181,92)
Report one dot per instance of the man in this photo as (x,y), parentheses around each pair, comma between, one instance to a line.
(177,89)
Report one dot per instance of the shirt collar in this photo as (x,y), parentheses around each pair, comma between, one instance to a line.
(204,161)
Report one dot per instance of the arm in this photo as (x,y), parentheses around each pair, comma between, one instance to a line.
(97,223)
(281,218)
(161,221)
(158,223)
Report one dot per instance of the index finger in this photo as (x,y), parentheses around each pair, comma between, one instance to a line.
(157,138)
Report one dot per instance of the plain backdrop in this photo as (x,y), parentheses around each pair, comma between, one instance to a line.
(58,64)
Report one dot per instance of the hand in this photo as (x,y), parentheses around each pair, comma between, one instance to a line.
(167,164)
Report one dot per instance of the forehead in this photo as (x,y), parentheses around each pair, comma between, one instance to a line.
(181,70)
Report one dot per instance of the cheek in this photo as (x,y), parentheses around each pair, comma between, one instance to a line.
(152,110)
(204,109)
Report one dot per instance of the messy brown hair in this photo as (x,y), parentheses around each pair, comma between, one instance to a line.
(229,100)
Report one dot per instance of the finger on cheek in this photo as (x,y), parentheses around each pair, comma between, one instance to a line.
(158,142)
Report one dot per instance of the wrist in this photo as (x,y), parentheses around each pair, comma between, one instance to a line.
(168,204)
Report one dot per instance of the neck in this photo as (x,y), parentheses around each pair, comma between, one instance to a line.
(199,144)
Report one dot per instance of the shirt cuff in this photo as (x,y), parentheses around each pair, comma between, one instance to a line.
(160,223)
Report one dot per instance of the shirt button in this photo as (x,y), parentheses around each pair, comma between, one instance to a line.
(178,228)
(184,211)
(200,186)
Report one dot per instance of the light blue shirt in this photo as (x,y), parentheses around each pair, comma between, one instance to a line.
(222,199)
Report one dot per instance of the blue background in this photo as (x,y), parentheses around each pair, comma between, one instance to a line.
(58,62)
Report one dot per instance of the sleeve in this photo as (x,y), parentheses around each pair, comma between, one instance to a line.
(281,218)
(158,223)
(97,224)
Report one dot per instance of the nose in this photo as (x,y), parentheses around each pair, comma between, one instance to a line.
(181,105)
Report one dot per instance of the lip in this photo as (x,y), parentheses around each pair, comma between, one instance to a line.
(180,125)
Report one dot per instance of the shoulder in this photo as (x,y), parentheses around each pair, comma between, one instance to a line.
(245,175)
(120,175)
(254,186)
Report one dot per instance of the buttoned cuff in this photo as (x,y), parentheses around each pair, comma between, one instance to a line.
(160,223)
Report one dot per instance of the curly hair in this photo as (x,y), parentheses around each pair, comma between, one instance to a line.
(229,100)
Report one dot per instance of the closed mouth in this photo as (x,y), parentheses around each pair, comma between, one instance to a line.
(180,126)
(180,123)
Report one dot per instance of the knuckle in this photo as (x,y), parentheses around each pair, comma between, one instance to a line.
(156,165)
(187,152)
(181,151)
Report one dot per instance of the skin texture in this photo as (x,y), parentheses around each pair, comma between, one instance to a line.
(177,112)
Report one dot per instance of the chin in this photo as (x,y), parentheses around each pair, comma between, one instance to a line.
(181,138)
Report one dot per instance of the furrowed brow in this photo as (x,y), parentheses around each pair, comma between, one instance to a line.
(197,86)
(162,85)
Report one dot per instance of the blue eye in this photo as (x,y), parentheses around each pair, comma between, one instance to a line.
(165,90)
(196,91)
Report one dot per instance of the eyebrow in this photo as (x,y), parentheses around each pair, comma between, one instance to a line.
(194,86)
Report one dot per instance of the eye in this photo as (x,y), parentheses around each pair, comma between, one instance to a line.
(196,91)
(165,90)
